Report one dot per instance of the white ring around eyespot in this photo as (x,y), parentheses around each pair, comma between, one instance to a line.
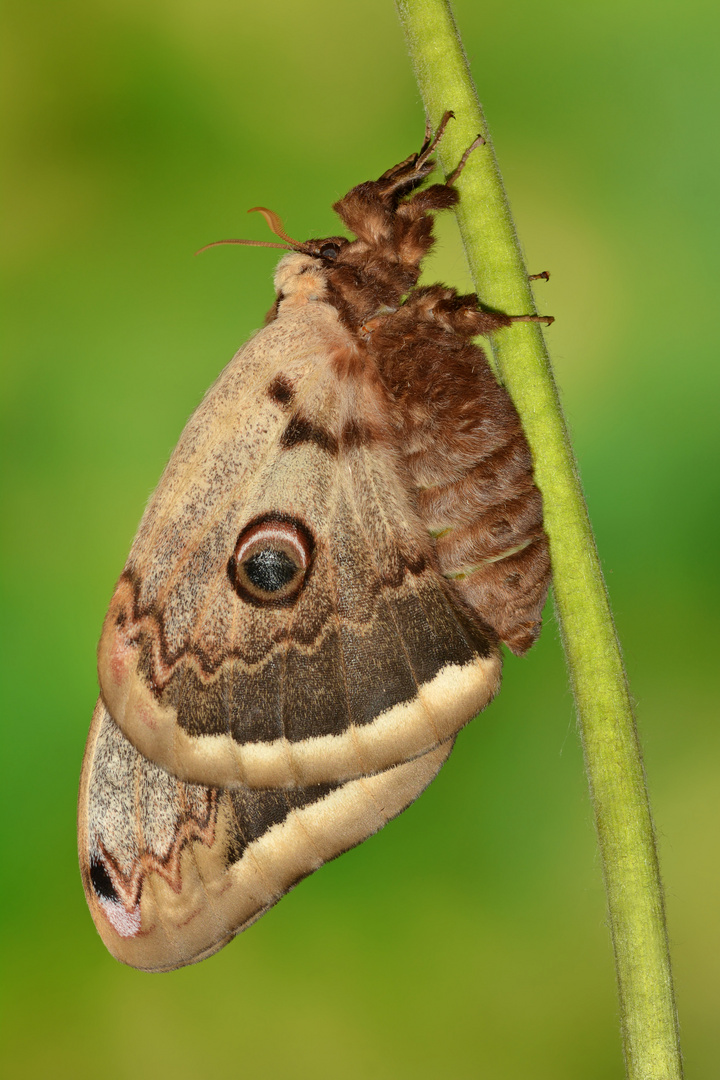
(275,534)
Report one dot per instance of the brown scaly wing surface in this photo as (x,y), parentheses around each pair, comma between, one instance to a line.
(172,871)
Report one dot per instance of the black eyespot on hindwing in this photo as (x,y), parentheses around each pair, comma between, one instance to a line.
(101,881)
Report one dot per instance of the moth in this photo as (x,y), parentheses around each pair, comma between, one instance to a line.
(314,602)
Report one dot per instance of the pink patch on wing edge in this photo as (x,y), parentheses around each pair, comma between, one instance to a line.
(119,657)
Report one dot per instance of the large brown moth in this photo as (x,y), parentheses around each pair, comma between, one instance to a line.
(314,601)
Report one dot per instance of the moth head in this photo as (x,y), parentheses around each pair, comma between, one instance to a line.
(349,275)
(327,251)
(300,276)
(272,560)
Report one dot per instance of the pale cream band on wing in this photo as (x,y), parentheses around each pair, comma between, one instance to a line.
(217,900)
(440,708)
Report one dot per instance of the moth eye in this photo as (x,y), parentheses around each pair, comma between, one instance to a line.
(330,251)
(271,560)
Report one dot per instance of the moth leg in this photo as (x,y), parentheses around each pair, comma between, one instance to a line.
(409,163)
(416,165)
(547,319)
(377,215)
(438,197)
(369,209)
(431,140)
(458,313)
(479,141)
(461,314)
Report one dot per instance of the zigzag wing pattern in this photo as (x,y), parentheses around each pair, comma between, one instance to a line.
(172,871)
(370,664)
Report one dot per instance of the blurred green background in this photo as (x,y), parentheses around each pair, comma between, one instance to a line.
(468,939)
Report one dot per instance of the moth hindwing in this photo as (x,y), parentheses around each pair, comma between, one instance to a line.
(314,601)
(173,870)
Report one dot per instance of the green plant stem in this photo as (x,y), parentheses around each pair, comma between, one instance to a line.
(612,752)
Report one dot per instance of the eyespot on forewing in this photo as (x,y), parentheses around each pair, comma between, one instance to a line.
(272,558)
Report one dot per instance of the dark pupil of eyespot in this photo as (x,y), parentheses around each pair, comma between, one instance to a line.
(270,570)
(329,252)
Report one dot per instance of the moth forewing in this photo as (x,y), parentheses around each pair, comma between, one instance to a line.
(369,664)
